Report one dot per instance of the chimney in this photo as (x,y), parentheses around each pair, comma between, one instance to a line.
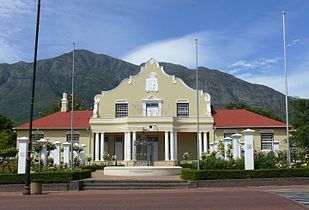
(64,103)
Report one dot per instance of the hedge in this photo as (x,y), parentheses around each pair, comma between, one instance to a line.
(189,174)
(47,177)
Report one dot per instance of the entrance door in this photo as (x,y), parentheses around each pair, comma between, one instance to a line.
(119,147)
(146,150)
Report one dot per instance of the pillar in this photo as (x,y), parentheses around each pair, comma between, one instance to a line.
(205,141)
(199,146)
(249,149)
(176,146)
(57,154)
(97,151)
(227,141)
(66,153)
(236,146)
(127,144)
(276,148)
(43,152)
(22,154)
(166,148)
(134,146)
(172,144)
(83,155)
(102,147)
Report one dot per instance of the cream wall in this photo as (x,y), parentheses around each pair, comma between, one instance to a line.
(60,135)
(133,91)
(279,135)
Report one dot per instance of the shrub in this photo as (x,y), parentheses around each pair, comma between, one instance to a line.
(47,176)
(189,174)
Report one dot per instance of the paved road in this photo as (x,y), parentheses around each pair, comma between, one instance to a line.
(223,198)
(300,196)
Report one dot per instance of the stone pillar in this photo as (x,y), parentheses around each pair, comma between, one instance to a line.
(249,149)
(22,154)
(66,153)
(276,148)
(176,146)
(166,148)
(172,143)
(43,152)
(199,146)
(211,147)
(227,141)
(83,155)
(129,146)
(97,151)
(236,146)
(57,154)
(134,158)
(205,141)
(102,147)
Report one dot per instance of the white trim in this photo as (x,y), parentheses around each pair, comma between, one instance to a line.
(267,131)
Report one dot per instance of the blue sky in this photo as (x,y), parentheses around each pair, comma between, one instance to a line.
(240,37)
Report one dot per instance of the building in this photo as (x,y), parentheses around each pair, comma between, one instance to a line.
(151,117)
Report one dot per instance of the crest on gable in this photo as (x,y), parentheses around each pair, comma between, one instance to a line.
(152,83)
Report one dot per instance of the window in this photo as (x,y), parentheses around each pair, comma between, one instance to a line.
(228,135)
(36,136)
(267,141)
(152,109)
(182,109)
(121,110)
(75,138)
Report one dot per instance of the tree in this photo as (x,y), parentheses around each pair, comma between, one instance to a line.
(299,118)
(7,138)
(264,112)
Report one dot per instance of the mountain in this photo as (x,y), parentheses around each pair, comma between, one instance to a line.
(94,73)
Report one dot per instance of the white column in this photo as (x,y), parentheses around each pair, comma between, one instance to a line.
(102,147)
(66,153)
(22,154)
(227,141)
(166,146)
(176,146)
(211,147)
(276,148)
(205,141)
(249,149)
(96,157)
(199,146)
(83,155)
(134,147)
(172,143)
(43,152)
(236,145)
(57,154)
(129,147)
(125,146)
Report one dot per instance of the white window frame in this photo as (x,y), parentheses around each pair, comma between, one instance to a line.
(121,113)
(75,133)
(188,109)
(267,145)
(152,101)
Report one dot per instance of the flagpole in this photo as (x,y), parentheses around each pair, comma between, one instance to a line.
(28,155)
(286,91)
(72,105)
(197,108)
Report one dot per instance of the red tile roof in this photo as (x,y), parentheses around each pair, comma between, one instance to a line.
(242,118)
(222,118)
(61,120)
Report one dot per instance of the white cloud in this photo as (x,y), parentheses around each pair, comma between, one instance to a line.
(294,42)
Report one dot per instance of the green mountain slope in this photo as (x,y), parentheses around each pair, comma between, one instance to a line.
(94,73)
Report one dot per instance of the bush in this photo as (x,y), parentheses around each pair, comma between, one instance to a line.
(94,167)
(189,174)
(8,152)
(47,177)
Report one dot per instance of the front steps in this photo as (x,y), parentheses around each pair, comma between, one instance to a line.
(132,184)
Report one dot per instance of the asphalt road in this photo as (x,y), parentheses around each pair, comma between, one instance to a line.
(223,198)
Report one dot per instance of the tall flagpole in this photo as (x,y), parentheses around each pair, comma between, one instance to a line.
(286,91)
(197,108)
(72,105)
(28,157)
